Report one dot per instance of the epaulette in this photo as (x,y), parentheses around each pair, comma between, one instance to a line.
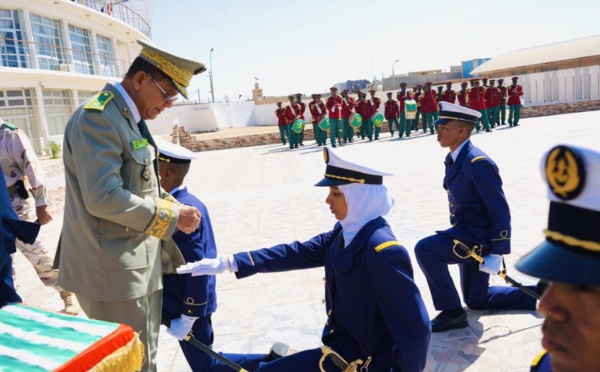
(100,101)
(10,126)
(476,159)
(385,245)
(538,360)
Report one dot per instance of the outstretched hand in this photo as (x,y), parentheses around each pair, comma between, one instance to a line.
(207,266)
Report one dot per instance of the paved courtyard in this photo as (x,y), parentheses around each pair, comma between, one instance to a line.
(261,196)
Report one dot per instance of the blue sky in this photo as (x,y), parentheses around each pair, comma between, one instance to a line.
(306,46)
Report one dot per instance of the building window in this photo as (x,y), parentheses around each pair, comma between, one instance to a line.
(13,50)
(16,106)
(58,107)
(48,43)
(106,56)
(84,95)
(83,58)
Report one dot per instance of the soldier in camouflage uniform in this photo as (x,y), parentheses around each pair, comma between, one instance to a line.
(24,176)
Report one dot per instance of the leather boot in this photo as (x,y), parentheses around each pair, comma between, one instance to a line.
(71,306)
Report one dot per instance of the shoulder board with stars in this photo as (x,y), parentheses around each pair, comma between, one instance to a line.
(100,101)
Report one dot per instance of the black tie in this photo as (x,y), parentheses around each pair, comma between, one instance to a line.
(449,161)
(146,134)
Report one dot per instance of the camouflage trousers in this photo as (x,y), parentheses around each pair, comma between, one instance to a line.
(35,253)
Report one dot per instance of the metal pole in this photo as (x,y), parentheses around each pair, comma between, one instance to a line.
(210,74)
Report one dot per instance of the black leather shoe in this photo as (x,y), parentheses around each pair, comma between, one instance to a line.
(278,350)
(445,322)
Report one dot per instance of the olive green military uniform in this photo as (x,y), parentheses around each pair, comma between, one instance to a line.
(115,219)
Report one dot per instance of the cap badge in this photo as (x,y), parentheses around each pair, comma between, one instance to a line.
(326,156)
(565,173)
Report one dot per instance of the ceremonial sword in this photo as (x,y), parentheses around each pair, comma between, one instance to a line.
(502,273)
(207,350)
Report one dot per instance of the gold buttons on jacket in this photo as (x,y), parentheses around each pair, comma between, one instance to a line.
(126,228)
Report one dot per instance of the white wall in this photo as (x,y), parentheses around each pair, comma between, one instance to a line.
(572,85)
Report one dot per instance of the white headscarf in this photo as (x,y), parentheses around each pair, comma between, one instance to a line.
(365,203)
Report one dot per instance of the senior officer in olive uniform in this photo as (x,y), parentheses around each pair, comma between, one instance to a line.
(376,317)
(115,220)
(569,259)
(189,302)
(480,217)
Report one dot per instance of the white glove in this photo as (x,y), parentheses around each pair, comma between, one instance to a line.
(207,266)
(491,264)
(181,327)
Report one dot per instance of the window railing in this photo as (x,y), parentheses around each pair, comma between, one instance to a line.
(53,58)
(120,11)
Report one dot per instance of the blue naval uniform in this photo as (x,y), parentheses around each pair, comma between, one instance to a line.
(196,296)
(541,363)
(374,308)
(479,215)
(10,229)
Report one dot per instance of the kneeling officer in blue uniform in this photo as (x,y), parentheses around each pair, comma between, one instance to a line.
(569,259)
(188,302)
(376,317)
(480,218)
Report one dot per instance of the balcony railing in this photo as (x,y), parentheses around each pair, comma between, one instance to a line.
(121,12)
(16,53)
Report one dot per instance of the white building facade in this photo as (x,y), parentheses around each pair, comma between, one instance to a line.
(54,54)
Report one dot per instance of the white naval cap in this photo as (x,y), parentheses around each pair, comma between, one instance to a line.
(571,251)
(341,172)
(172,153)
(450,111)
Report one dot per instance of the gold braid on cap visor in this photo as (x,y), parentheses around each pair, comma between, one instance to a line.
(349,179)
(585,244)
(179,75)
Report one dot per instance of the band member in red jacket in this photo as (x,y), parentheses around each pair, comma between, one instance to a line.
(302,110)
(417,93)
(375,105)
(318,111)
(392,114)
(292,112)
(347,107)
(449,95)
(502,116)
(401,97)
(428,101)
(492,101)
(334,106)
(515,92)
(282,123)
(477,102)
(363,108)
(462,95)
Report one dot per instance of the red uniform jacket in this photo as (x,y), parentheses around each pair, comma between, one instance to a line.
(375,103)
(401,97)
(300,109)
(290,114)
(477,98)
(428,102)
(462,97)
(364,108)
(347,107)
(391,109)
(417,97)
(317,110)
(492,97)
(514,94)
(281,119)
(502,94)
(449,96)
(334,106)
